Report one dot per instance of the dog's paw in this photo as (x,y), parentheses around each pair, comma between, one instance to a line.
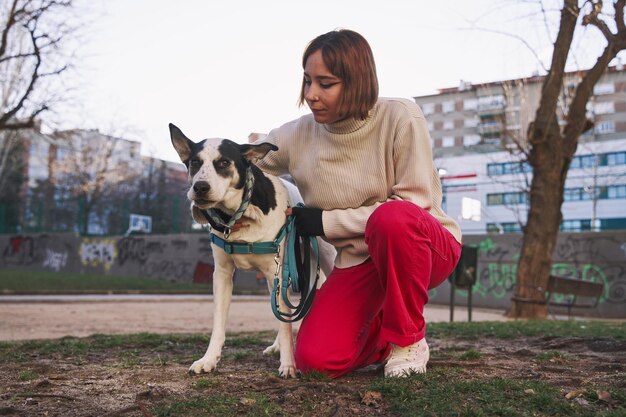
(203,365)
(275,348)
(287,371)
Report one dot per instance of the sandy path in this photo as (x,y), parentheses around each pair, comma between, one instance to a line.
(44,320)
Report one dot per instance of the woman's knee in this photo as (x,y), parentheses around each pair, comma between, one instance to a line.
(393,217)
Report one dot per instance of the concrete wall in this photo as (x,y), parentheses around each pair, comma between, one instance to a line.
(176,258)
(598,257)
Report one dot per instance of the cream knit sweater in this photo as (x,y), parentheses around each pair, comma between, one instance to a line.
(351,167)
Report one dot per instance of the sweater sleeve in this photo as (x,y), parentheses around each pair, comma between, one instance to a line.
(413,170)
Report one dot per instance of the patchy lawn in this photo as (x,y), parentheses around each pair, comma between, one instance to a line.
(546,368)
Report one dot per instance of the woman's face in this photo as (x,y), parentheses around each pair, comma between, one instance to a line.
(322,90)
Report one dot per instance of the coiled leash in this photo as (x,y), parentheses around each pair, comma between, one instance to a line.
(296,274)
(297,267)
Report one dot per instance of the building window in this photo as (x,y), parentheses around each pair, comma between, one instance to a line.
(508,168)
(602,89)
(604,107)
(447,142)
(583,161)
(577,194)
(575,225)
(607,126)
(472,122)
(471,140)
(491,102)
(616,191)
(470,104)
(428,108)
(504,228)
(616,158)
(448,125)
(513,198)
(447,106)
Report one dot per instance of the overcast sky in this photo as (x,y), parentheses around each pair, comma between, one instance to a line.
(229,68)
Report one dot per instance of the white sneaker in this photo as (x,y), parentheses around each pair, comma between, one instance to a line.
(403,361)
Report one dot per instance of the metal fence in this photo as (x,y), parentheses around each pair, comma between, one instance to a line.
(170,215)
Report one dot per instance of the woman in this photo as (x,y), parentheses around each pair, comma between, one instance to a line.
(364,168)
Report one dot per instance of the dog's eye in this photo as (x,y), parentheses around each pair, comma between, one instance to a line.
(195,163)
(223,163)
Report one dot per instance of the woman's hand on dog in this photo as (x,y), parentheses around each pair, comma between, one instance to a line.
(308,220)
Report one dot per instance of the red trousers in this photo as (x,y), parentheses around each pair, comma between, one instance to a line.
(360,310)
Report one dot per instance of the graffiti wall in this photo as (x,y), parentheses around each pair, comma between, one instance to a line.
(176,258)
(595,257)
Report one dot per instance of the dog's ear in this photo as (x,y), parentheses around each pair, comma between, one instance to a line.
(255,152)
(181,143)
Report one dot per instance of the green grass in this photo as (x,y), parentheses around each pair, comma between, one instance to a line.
(533,328)
(436,394)
(16,281)
(443,391)
(551,355)
(28,375)
(221,405)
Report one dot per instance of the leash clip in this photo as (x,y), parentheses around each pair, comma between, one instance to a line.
(226,232)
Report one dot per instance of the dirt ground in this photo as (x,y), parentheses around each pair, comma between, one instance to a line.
(138,381)
(96,377)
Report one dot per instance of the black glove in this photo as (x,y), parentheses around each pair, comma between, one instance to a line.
(308,221)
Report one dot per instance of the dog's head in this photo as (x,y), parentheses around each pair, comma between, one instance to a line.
(216,167)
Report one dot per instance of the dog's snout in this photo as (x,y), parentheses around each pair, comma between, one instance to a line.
(201,187)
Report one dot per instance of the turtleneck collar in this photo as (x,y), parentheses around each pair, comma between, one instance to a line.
(349,125)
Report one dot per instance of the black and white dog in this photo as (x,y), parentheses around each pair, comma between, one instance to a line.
(217,174)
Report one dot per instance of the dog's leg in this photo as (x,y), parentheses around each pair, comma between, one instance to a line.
(274,347)
(327,255)
(222,294)
(284,338)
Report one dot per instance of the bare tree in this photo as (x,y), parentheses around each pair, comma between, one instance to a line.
(33,33)
(552,145)
(94,169)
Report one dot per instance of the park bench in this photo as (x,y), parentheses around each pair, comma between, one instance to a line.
(576,293)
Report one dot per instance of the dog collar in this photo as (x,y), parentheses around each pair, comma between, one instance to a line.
(258,248)
(245,201)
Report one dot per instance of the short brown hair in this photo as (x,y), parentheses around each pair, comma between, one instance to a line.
(347,55)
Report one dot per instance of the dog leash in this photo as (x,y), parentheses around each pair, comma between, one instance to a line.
(296,270)
(296,274)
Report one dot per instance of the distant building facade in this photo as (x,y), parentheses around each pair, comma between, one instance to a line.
(86,182)
(476,132)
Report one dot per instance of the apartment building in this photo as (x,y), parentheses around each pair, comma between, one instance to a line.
(84,181)
(477,131)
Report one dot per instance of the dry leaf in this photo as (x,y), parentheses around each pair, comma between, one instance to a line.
(574,394)
(529,391)
(372,398)
(247,401)
(604,396)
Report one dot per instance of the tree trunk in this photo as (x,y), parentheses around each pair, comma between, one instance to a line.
(550,162)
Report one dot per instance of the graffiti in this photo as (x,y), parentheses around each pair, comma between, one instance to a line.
(131,248)
(96,252)
(20,250)
(171,270)
(179,244)
(55,260)
(496,280)
(203,273)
